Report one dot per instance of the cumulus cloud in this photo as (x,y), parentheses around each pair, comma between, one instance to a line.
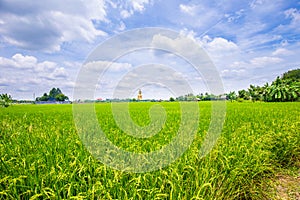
(46,25)
(19,61)
(181,44)
(219,45)
(23,75)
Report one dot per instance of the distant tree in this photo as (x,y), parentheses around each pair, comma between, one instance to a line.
(294,75)
(231,96)
(190,97)
(172,99)
(5,100)
(243,94)
(256,93)
(200,96)
(45,97)
(54,94)
(180,98)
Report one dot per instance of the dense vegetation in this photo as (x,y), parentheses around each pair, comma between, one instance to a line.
(55,94)
(282,89)
(285,88)
(43,157)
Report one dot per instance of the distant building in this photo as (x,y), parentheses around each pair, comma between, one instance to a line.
(140,97)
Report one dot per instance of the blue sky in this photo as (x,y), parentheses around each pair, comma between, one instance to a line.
(43,44)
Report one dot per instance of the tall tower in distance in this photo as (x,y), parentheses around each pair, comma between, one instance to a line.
(139,97)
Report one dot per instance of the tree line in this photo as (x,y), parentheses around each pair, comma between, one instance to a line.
(282,89)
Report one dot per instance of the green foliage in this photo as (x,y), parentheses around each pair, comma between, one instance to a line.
(54,94)
(5,100)
(61,97)
(45,97)
(187,97)
(243,94)
(292,75)
(42,157)
(282,89)
(231,96)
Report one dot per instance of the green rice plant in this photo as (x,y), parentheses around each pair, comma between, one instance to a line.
(42,155)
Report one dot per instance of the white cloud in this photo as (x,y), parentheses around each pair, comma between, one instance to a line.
(200,16)
(282,52)
(188,9)
(294,15)
(23,75)
(254,40)
(188,33)
(74,27)
(19,61)
(125,13)
(59,72)
(6,81)
(47,25)
(45,69)
(264,61)
(180,44)
(139,5)
(45,66)
(130,7)
(221,51)
(219,45)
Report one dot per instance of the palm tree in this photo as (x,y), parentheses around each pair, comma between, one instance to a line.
(5,100)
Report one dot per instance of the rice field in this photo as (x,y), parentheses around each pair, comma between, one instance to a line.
(43,157)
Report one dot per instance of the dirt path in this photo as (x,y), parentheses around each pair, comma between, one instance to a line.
(288,187)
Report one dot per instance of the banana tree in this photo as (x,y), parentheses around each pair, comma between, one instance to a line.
(231,96)
(256,92)
(5,100)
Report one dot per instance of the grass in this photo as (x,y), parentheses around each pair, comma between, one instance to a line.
(42,156)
